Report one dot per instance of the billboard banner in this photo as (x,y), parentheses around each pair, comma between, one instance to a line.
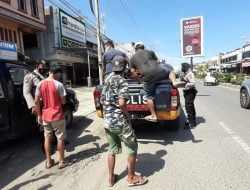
(73,32)
(8,51)
(192,37)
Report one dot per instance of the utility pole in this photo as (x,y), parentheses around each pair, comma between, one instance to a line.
(89,77)
(191,63)
(98,38)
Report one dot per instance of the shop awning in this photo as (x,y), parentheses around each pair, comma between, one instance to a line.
(246,64)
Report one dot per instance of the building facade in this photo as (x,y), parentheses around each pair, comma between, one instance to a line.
(20,18)
(236,61)
(65,43)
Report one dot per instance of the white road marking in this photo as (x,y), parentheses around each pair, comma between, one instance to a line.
(238,139)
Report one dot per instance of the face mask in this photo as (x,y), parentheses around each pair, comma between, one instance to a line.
(42,71)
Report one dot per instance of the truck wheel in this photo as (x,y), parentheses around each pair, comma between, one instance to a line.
(244,99)
(173,125)
(68,113)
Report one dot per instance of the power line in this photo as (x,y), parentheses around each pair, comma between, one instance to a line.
(132,15)
(72,9)
(54,3)
(120,14)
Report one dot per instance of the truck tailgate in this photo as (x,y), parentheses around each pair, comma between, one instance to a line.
(138,102)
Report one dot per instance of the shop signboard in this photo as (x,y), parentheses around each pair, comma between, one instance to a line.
(8,51)
(73,31)
(192,36)
(91,33)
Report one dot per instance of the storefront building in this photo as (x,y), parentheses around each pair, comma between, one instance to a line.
(65,43)
(19,18)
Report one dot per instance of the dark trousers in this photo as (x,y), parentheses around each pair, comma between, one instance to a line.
(189,96)
(40,134)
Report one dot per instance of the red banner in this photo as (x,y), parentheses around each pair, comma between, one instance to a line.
(192,37)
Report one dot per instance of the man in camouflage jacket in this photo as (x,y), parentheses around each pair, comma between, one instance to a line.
(117,122)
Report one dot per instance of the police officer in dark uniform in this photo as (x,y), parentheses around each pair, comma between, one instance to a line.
(189,92)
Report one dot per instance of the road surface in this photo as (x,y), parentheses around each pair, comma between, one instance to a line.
(214,155)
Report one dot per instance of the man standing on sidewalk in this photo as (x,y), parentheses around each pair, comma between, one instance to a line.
(53,96)
(117,122)
(30,83)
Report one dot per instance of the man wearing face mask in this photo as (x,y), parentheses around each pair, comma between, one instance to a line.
(30,82)
(189,92)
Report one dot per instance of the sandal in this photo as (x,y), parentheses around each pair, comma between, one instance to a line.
(149,118)
(137,180)
(49,165)
(114,180)
(63,165)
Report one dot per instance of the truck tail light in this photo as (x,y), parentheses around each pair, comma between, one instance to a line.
(174,98)
(97,97)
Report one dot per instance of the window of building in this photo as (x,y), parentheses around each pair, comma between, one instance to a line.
(6,34)
(1,34)
(14,35)
(10,35)
(34,9)
(30,40)
(22,5)
(246,55)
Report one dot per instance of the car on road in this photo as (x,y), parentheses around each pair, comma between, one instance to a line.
(210,79)
(15,118)
(244,94)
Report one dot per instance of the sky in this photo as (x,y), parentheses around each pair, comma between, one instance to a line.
(157,23)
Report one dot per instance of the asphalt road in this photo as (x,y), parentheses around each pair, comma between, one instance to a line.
(214,155)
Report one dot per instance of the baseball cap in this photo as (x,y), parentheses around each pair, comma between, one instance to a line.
(119,63)
(55,69)
(139,45)
(108,42)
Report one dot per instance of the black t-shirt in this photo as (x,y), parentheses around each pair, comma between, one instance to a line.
(108,57)
(145,61)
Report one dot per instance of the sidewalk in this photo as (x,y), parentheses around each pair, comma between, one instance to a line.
(86,100)
(23,163)
(83,88)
